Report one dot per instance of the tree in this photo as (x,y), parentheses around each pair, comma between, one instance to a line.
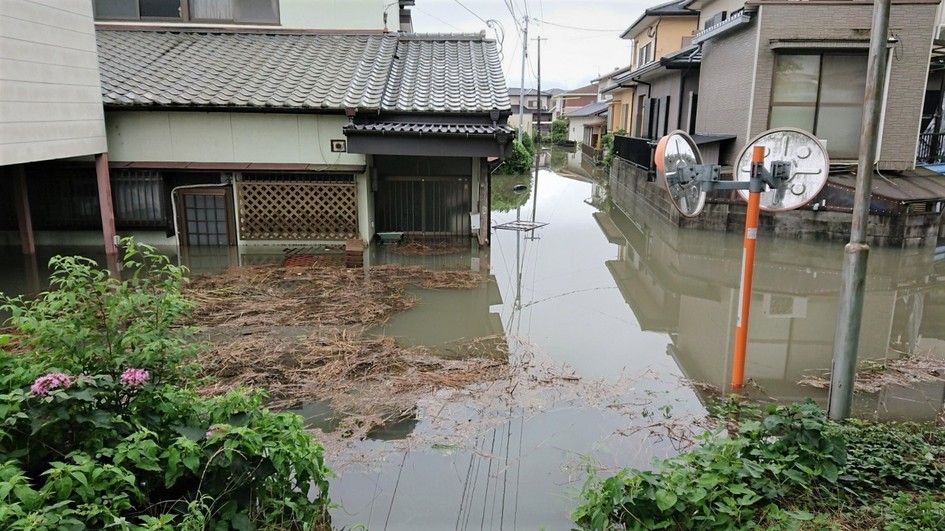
(559,131)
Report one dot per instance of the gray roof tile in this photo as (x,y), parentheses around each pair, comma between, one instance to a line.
(388,72)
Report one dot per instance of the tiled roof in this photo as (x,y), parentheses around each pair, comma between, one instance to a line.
(175,68)
(390,72)
(429,129)
(446,73)
(589,110)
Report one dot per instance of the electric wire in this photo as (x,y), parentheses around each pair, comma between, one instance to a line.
(471,11)
(393,495)
(576,28)
(431,15)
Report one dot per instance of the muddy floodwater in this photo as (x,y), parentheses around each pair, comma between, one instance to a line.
(618,330)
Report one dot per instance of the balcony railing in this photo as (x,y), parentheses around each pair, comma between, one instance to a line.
(931,148)
(638,151)
(591,153)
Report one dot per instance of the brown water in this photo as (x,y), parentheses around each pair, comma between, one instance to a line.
(607,316)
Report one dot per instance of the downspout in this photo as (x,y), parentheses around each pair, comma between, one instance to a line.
(649,89)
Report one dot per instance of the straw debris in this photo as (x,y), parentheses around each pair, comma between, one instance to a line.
(874,376)
(301,334)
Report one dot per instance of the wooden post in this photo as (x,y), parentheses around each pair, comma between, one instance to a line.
(22,200)
(484,206)
(105,203)
(748,268)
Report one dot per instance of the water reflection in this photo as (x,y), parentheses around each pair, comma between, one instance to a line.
(685,283)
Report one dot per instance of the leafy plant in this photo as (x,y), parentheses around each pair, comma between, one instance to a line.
(787,468)
(520,161)
(100,424)
(559,131)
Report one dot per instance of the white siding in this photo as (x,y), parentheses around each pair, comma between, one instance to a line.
(135,136)
(50,97)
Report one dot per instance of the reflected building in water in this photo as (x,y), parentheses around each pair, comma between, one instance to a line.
(686,284)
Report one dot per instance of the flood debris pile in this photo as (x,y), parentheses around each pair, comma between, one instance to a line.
(873,376)
(301,334)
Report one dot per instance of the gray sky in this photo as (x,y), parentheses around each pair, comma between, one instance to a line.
(570,58)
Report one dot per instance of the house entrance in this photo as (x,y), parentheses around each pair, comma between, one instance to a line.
(206,217)
(424,206)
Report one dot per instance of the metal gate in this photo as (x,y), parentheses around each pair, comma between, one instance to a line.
(425,206)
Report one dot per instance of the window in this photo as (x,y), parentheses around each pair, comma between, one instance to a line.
(644,56)
(823,94)
(237,11)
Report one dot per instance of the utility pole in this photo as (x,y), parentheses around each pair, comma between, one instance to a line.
(856,253)
(537,134)
(521,89)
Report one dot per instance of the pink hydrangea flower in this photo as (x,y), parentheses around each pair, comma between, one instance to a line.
(55,380)
(214,430)
(135,377)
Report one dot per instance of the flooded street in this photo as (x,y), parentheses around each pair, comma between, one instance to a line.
(619,330)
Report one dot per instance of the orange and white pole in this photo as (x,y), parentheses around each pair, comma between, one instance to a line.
(748,267)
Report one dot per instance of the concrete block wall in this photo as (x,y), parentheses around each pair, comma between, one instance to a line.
(629,188)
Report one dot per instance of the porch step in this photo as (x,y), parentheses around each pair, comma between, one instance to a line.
(354,253)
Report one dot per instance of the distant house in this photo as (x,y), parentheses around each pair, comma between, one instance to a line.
(572,100)
(657,93)
(51,110)
(269,125)
(535,109)
(587,126)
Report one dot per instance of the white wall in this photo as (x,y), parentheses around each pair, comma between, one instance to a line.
(226,137)
(50,97)
(338,14)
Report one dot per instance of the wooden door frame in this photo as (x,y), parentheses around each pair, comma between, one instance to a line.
(230,212)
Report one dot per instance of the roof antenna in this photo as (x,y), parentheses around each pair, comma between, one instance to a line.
(388,6)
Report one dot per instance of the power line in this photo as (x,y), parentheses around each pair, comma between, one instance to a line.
(431,15)
(471,11)
(579,29)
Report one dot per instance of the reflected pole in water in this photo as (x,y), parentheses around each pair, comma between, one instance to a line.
(856,253)
(748,268)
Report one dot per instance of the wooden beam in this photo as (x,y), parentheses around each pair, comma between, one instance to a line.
(105,203)
(22,200)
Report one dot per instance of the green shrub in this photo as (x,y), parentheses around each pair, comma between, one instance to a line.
(559,131)
(100,425)
(520,161)
(788,468)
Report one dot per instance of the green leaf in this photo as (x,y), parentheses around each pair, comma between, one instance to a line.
(665,499)
(194,433)
(804,516)
(830,471)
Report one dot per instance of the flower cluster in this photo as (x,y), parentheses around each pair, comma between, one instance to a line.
(47,383)
(135,377)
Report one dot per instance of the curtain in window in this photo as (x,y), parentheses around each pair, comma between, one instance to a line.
(257,10)
(211,10)
(823,94)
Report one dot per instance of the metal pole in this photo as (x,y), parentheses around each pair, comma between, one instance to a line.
(856,253)
(748,269)
(521,90)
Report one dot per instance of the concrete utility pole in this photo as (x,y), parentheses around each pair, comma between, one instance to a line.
(521,88)
(856,253)
(537,134)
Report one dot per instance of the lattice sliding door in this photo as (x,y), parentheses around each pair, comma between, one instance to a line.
(297,211)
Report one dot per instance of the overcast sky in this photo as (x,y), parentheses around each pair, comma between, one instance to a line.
(583,35)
